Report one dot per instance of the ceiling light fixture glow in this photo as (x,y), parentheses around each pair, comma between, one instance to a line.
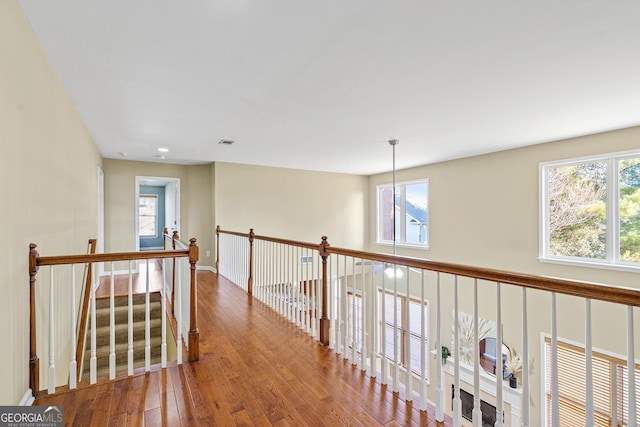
(163,150)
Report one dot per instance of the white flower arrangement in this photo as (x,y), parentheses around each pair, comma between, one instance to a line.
(513,362)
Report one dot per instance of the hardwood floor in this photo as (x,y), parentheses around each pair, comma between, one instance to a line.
(255,369)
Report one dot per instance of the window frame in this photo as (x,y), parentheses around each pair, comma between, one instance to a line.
(155,217)
(612,259)
(405,330)
(401,234)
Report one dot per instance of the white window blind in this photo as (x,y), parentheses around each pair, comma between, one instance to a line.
(606,372)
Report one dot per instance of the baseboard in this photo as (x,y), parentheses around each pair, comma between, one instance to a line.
(205,268)
(27,399)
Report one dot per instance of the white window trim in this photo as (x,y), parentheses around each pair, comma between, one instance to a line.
(612,260)
(400,243)
(426,303)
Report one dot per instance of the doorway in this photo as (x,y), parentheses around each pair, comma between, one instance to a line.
(157,206)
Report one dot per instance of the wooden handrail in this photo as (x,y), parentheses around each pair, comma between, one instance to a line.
(114,256)
(595,291)
(82,325)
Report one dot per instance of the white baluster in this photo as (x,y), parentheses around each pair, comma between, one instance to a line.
(588,354)
(407,342)
(439,389)
(163,316)
(314,296)
(112,328)
(396,344)
(52,337)
(374,325)
(457,402)
(363,320)
(307,323)
(525,361)
(344,307)
(353,336)
(631,359)
(424,353)
(477,411)
(93,360)
(147,325)
(500,363)
(130,321)
(384,368)
(179,312)
(73,383)
(555,410)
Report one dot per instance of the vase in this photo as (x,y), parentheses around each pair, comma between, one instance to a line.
(513,382)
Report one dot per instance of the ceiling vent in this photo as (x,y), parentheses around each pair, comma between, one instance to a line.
(226,142)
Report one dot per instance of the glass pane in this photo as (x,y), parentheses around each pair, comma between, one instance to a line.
(629,184)
(577,210)
(386,214)
(147,211)
(416,212)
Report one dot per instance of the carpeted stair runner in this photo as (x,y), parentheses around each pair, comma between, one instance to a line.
(122,333)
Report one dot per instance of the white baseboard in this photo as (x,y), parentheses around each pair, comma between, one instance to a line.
(205,268)
(27,399)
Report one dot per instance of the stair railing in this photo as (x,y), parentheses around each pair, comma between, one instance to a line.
(60,279)
(376,310)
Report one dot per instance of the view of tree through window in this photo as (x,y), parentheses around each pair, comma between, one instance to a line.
(593,209)
(577,210)
(629,187)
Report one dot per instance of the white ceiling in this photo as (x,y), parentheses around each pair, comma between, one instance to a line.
(322,85)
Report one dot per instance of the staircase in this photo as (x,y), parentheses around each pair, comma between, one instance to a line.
(122,334)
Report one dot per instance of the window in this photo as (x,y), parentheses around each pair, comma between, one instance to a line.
(609,385)
(412,331)
(591,211)
(411,213)
(148,216)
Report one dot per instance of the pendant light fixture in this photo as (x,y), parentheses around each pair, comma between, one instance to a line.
(392,270)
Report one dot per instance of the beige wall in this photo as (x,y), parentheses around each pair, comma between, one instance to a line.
(49,173)
(484,211)
(195,203)
(292,204)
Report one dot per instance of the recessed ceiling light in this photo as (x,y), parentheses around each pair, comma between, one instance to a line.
(163,150)
(159,156)
(121,154)
(226,142)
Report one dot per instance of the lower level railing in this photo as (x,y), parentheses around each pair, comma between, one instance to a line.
(400,319)
(56,299)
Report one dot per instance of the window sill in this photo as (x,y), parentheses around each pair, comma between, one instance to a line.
(590,264)
(405,245)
